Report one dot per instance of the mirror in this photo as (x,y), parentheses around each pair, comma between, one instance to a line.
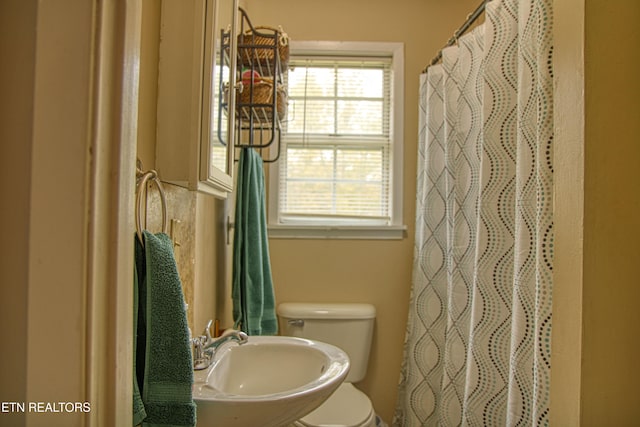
(217,124)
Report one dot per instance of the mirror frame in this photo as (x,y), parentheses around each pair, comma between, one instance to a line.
(219,179)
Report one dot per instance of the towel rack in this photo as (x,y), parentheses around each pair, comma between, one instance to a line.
(142,178)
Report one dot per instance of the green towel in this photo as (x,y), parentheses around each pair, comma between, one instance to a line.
(167,375)
(139,413)
(253,296)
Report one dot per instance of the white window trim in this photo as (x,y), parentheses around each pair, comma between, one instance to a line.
(395,230)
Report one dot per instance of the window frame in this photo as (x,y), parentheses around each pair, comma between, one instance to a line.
(395,229)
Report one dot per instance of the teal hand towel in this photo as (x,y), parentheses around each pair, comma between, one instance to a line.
(252,289)
(167,375)
(139,414)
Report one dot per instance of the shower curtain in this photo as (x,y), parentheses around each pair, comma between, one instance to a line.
(477,349)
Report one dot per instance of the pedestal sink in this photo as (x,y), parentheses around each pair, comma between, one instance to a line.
(267,382)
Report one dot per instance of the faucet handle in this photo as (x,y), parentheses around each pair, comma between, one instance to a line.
(200,357)
(207,331)
(238,333)
(196,346)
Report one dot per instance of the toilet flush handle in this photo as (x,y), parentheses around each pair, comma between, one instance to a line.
(296,322)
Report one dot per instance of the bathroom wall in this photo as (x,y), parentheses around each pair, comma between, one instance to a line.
(611,291)
(373,271)
(19,18)
(596,285)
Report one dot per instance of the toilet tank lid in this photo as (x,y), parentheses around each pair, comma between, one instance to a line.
(300,310)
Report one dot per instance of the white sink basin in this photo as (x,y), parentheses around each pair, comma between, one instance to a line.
(267,382)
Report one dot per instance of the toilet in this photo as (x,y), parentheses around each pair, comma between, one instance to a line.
(349,327)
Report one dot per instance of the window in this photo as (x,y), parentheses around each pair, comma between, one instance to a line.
(339,172)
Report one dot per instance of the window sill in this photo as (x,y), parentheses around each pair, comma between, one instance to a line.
(387,232)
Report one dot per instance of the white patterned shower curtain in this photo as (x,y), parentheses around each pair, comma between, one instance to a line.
(477,351)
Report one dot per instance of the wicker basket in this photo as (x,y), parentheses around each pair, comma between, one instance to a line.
(261,92)
(254,47)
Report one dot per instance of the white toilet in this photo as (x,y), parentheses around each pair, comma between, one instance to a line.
(349,327)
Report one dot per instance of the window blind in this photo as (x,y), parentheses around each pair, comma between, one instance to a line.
(336,162)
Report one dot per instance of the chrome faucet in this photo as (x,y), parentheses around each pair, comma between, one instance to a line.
(204,346)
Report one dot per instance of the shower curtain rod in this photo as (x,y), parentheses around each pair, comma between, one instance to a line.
(471,18)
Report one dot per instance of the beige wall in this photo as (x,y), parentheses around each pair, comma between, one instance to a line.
(17,17)
(596,282)
(611,325)
(373,271)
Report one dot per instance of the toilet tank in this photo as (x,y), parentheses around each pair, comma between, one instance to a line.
(347,326)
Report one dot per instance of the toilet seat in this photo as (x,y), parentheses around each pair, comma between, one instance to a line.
(346,407)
